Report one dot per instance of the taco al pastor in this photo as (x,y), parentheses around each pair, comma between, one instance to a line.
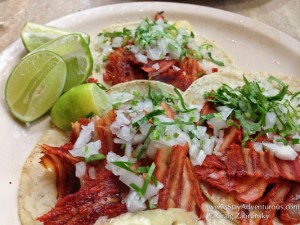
(252,174)
(156,50)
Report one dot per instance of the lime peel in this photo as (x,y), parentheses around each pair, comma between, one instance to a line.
(34,35)
(79,102)
(76,53)
(30,93)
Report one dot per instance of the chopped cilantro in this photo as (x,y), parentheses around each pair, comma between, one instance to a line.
(251,107)
(94,158)
(219,63)
(182,103)
(124,165)
(154,96)
(295,141)
(102,86)
(147,117)
(141,191)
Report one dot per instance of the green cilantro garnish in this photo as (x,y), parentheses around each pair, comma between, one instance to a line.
(209,116)
(145,142)
(152,206)
(102,86)
(182,103)
(219,63)
(295,141)
(89,115)
(147,117)
(154,96)
(124,165)
(105,58)
(155,135)
(140,170)
(251,107)
(141,191)
(94,158)
(116,105)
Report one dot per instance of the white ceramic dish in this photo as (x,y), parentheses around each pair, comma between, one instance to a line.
(253,46)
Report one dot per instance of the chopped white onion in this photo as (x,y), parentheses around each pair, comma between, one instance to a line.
(155,66)
(119,141)
(200,158)
(153,53)
(270,92)
(128,149)
(121,120)
(225,111)
(107,49)
(144,128)
(196,155)
(92,172)
(128,177)
(134,202)
(135,49)
(182,139)
(146,105)
(296,147)
(284,152)
(176,68)
(258,146)
(200,132)
(270,135)
(112,157)
(117,42)
(85,135)
(270,120)
(152,148)
(208,145)
(80,169)
(87,150)
(218,142)
(138,138)
(125,133)
(214,176)
(162,44)
(154,200)
(217,123)
(141,58)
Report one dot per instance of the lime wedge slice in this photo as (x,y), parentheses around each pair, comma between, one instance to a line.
(34,35)
(79,102)
(76,53)
(35,84)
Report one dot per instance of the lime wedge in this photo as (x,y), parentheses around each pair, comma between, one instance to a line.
(79,102)
(35,84)
(76,53)
(34,35)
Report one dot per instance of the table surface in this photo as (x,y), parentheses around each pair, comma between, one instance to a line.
(281,14)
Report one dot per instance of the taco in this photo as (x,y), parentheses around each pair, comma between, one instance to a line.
(59,184)
(251,173)
(155,50)
(158,144)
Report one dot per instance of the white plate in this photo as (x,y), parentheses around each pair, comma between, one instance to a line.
(253,46)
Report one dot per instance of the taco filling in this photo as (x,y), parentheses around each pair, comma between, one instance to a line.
(156,50)
(142,164)
(255,156)
(155,151)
